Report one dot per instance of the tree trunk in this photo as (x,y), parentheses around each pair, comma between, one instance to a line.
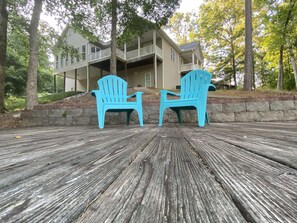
(293,61)
(3,44)
(233,65)
(280,76)
(113,56)
(31,90)
(248,60)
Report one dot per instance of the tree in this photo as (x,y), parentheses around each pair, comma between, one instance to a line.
(280,76)
(31,90)
(221,28)
(124,19)
(278,21)
(3,44)
(184,27)
(248,68)
(113,36)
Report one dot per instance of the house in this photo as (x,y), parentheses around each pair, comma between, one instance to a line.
(152,60)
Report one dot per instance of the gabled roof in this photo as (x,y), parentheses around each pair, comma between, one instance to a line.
(189,46)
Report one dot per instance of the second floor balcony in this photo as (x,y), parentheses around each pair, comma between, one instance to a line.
(68,63)
(129,55)
(188,67)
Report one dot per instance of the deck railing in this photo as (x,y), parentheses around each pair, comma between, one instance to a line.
(105,54)
(188,66)
(132,54)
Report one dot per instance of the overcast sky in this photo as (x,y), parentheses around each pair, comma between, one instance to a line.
(189,5)
(185,6)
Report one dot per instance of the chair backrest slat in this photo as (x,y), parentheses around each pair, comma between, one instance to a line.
(113,88)
(195,84)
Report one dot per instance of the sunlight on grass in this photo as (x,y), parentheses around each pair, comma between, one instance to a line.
(16,103)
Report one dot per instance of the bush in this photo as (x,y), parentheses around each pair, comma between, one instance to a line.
(14,103)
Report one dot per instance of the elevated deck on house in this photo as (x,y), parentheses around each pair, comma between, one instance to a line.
(226,172)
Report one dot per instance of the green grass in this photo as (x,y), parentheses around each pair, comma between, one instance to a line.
(16,103)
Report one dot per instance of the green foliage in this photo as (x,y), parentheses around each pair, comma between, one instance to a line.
(44,98)
(184,27)
(134,17)
(14,103)
(18,57)
(221,28)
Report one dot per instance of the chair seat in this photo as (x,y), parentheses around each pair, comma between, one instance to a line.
(112,97)
(194,88)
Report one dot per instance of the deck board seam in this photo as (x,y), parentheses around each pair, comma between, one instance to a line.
(90,203)
(253,152)
(245,214)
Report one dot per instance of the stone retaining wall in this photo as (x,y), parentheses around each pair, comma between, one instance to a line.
(231,110)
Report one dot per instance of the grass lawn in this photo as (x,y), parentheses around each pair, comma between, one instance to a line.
(16,103)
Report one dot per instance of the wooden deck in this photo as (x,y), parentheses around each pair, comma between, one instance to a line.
(222,173)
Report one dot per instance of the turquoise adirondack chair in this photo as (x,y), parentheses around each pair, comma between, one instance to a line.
(193,95)
(112,97)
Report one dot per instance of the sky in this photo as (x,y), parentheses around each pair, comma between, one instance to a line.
(185,6)
(189,5)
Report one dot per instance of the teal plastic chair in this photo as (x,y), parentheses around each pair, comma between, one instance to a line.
(193,95)
(112,97)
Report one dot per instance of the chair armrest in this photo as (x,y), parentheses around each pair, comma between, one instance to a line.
(211,87)
(135,94)
(97,95)
(165,92)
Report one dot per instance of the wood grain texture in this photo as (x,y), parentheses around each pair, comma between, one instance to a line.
(167,182)
(263,189)
(46,184)
(226,172)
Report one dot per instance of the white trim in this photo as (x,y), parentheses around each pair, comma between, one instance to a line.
(88,78)
(150,79)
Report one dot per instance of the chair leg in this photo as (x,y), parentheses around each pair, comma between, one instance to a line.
(101,117)
(206,118)
(140,116)
(128,116)
(201,116)
(179,116)
(161,114)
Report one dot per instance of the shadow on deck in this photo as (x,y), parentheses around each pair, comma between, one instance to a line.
(226,172)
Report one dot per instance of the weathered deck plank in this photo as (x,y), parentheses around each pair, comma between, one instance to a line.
(167,182)
(264,190)
(270,141)
(226,172)
(58,186)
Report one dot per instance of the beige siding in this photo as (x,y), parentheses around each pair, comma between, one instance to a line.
(136,76)
(75,39)
(170,68)
(160,75)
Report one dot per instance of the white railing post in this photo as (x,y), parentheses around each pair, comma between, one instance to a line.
(138,46)
(125,51)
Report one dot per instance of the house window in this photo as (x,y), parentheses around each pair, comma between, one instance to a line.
(95,49)
(77,57)
(172,55)
(57,62)
(72,60)
(147,80)
(83,52)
